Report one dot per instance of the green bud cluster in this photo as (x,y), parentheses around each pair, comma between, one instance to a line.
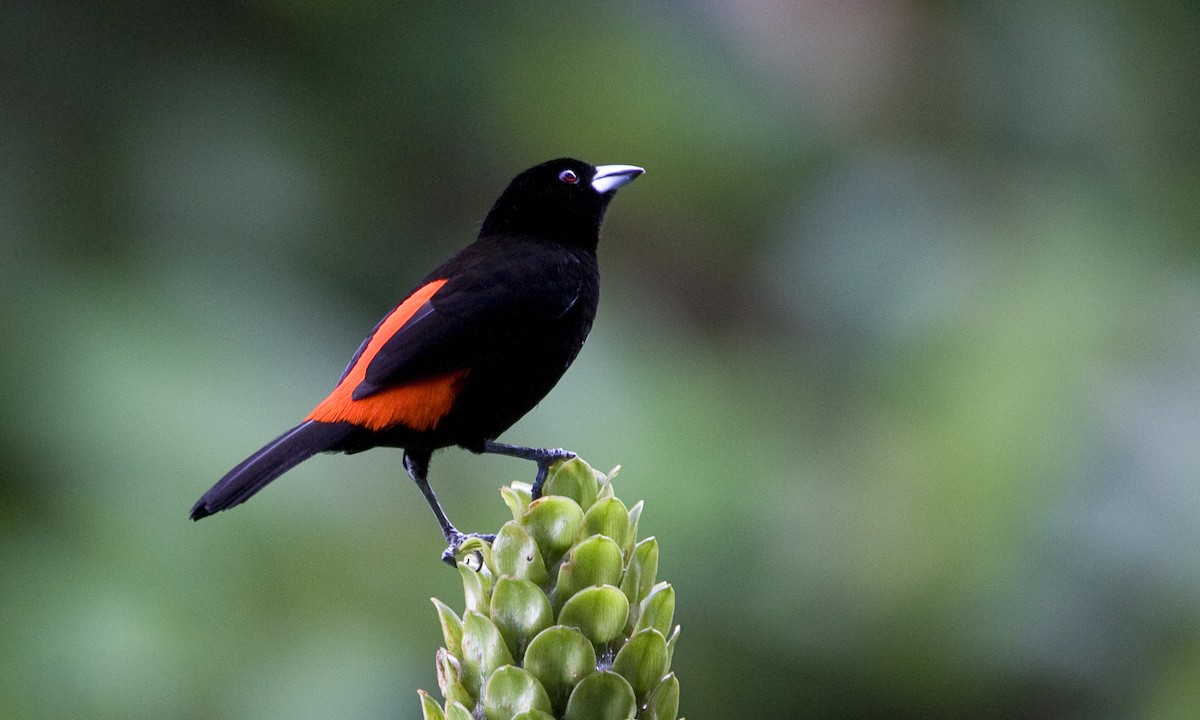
(564,617)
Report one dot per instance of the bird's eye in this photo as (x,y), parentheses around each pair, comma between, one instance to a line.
(569,177)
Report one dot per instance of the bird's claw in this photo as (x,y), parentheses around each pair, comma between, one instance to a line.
(555,454)
(548,457)
(454,543)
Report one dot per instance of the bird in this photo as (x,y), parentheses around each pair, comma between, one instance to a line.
(470,350)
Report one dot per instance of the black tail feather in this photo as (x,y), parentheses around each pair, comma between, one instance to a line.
(280,455)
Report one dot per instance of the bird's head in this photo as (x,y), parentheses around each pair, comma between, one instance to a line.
(563,200)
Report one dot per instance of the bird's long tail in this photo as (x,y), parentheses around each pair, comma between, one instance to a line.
(277,457)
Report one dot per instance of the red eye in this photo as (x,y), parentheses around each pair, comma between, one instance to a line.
(569,177)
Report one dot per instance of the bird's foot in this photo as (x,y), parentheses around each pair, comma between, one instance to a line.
(546,458)
(457,542)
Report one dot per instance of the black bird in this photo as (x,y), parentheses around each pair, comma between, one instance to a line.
(474,347)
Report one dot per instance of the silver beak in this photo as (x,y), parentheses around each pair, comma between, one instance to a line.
(611,177)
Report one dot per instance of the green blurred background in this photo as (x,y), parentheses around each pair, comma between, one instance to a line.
(899,341)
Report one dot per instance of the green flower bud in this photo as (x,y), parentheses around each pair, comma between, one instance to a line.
(514,553)
(474,589)
(640,576)
(471,551)
(671,646)
(533,715)
(599,612)
(559,657)
(511,690)
(457,711)
(574,479)
(554,523)
(664,701)
(563,616)
(517,497)
(610,518)
(635,515)
(594,561)
(450,678)
(642,661)
(520,610)
(451,627)
(601,696)
(484,650)
(430,710)
(658,609)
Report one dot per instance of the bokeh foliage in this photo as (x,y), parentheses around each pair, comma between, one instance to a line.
(900,328)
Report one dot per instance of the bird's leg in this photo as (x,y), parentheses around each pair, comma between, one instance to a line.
(544,457)
(417,465)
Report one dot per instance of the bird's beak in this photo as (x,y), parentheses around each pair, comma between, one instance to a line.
(611,177)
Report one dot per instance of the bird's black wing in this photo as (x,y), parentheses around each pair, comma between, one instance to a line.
(495,296)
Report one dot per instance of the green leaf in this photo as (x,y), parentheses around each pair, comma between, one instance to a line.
(484,650)
(515,554)
(658,609)
(608,517)
(642,661)
(559,657)
(520,610)
(574,479)
(599,612)
(511,690)
(663,703)
(594,561)
(640,575)
(430,710)
(601,696)
(554,523)
(451,627)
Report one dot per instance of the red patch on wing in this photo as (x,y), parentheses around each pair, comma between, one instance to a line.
(418,405)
